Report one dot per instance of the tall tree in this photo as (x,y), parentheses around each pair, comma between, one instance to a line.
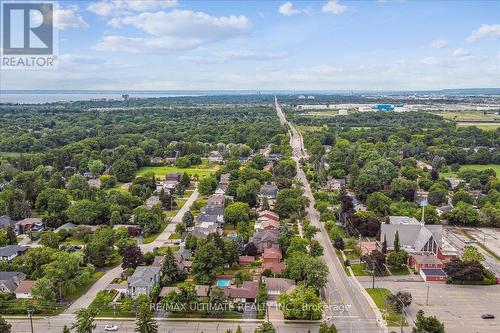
(132,256)
(145,322)
(11,236)
(85,321)
(397,246)
(169,269)
(428,324)
(471,253)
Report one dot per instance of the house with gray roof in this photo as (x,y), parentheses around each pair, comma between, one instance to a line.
(9,252)
(9,281)
(265,239)
(414,237)
(6,221)
(142,282)
(268,190)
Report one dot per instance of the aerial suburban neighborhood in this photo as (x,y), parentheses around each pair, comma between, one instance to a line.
(320,166)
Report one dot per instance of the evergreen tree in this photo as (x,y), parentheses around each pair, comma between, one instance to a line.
(397,246)
(11,236)
(188,219)
(145,322)
(384,245)
(265,203)
(169,269)
(115,218)
(185,180)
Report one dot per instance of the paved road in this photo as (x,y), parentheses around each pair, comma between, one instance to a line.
(55,325)
(457,239)
(346,299)
(106,279)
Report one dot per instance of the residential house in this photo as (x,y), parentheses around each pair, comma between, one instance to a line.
(6,221)
(67,226)
(246,293)
(142,282)
(201,290)
(170,160)
(454,182)
(152,200)
(334,184)
(173,176)
(266,224)
(269,190)
(29,224)
(167,290)
(277,286)
(265,239)
(267,214)
(23,290)
(156,160)
(423,166)
(215,157)
(276,268)
(203,229)
(9,252)
(94,182)
(221,189)
(444,209)
(272,255)
(216,200)
(246,260)
(9,281)
(224,179)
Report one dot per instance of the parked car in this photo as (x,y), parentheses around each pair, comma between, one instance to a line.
(488,316)
(110,328)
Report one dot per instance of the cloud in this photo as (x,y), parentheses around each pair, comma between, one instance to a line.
(288,9)
(333,7)
(234,55)
(127,7)
(67,18)
(174,30)
(438,43)
(485,31)
(460,53)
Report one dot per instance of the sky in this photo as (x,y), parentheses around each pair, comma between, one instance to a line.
(271,45)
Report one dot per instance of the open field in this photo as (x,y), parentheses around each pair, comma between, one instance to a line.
(160,171)
(483,126)
(479,167)
(468,115)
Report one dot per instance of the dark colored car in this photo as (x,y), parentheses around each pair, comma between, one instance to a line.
(488,316)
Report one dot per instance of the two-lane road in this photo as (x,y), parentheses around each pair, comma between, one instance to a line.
(345,298)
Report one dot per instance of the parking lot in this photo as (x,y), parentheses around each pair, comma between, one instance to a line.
(459,307)
(490,236)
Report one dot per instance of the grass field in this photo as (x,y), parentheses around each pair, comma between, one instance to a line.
(203,170)
(393,318)
(360,270)
(467,115)
(483,126)
(478,167)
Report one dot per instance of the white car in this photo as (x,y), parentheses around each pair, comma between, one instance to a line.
(111,328)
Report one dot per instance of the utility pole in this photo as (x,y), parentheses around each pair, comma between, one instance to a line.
(373,278)
(427,298)
(30,314)
(402,317)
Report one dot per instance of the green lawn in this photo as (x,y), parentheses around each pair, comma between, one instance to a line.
(478,167)
(81,289)
(360,270)
(202,170)
(402,271)
(9,154)
(393,318)
(73,241)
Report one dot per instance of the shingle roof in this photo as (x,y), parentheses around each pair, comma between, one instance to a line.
(272,253)
(143,275)
(248,289)
(411,235)
(282,285)
(25,286)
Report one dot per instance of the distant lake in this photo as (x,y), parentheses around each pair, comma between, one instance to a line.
(52,97)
